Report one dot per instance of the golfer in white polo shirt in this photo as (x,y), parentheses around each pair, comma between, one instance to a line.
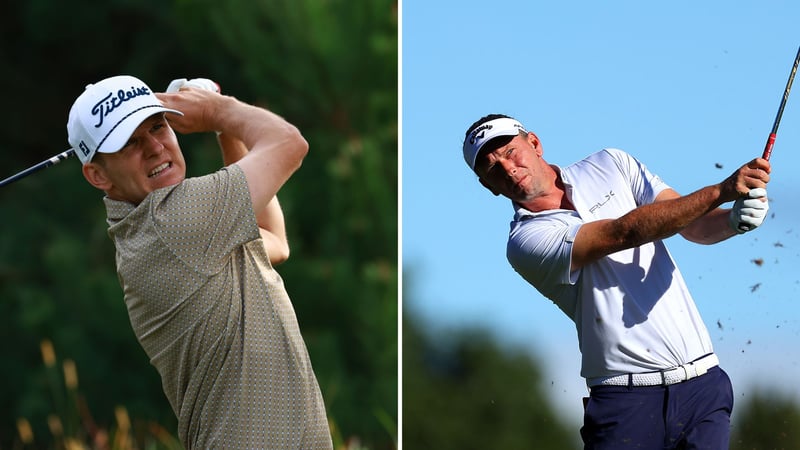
(589,236)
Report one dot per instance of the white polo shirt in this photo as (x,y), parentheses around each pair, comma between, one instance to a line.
(632,310)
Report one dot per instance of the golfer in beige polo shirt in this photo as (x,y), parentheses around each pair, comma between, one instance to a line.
(195,259)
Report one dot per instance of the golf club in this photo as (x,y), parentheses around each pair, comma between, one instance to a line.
(47,163)
(771,139)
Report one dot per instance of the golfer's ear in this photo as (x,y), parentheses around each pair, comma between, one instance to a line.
(535,142)
(95,174)
(486,185)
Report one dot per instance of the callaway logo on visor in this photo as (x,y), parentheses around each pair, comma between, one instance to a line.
(504,126)
(481,129)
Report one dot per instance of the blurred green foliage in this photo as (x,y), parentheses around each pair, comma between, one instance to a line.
(462,390)
(328,67)
(766,420)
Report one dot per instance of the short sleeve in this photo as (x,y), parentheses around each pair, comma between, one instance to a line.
(540,248)
(645,186)
(203,219)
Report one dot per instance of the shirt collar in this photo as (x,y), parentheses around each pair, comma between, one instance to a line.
(522,213)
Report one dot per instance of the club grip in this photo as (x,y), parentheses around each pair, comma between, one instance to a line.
(768,148)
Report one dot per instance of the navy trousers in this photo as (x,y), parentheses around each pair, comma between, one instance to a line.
(694,414)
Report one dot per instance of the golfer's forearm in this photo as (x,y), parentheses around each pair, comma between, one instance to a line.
(269,218)
(233,149)
(257,128)
(663,219)
(711,228)
(275,148)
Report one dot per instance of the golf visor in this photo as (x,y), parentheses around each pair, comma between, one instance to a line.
(487,131)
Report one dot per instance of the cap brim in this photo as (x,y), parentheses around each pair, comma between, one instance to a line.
(120,135)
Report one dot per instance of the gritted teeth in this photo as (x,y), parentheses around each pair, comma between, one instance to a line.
(158,170)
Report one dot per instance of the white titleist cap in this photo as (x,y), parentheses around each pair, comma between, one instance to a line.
(106,114)
(487,131)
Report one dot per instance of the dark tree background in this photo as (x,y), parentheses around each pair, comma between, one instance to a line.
(329,67)
(463,391)
(766,420)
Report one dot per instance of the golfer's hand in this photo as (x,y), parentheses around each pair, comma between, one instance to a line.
(748,213)
(753,175)
(200,108)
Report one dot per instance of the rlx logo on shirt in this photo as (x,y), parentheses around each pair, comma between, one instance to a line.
(599,204)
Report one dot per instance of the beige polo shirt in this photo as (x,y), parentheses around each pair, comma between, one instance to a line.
(214,317)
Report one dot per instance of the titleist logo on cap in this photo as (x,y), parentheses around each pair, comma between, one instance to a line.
(106,114)
(110,102)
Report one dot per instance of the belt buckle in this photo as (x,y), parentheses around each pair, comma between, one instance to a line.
(677,378)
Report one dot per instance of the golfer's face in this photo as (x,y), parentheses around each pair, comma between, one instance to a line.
(512,170)
(150,160)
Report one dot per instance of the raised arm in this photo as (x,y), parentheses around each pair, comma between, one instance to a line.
(270,219)
(697,214)
(276,150)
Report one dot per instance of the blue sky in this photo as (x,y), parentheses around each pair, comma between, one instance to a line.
(684,86)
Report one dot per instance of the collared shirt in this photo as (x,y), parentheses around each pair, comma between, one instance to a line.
(632,310)
(214,317)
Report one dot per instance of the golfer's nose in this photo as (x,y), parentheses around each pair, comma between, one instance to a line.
(508,166)
(153,146)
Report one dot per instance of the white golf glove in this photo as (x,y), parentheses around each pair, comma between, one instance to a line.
(748,213)
(200,83)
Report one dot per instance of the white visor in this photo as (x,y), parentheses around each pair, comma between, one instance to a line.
(487,131)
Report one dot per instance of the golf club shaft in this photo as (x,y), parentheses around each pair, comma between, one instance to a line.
(47,163)
(774,133)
